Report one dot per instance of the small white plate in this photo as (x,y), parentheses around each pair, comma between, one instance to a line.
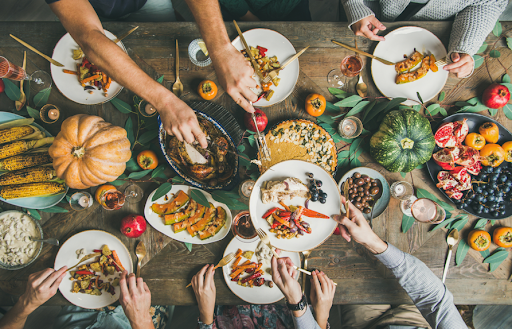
(277,45)
(256,295)
(90,240)
(158,223)
(398,43)
(321,228)
(68,84)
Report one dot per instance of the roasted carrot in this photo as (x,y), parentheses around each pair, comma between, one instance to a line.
(117,260)
(244,267)
(238,253)
(70,72)
(247,262)
(91,78)
(285,206)
(236,273)
(238,259)
(103,78)
(258,268)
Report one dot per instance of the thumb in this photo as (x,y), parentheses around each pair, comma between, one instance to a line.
(455,57)
(350,225)
(377,23)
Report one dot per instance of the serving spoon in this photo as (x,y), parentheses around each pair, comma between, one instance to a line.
(452,239)
(177,87)
(361,87)
(52,241)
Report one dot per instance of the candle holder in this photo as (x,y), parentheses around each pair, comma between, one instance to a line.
(80,201)
(350,127)
(245,188)
(49,113)
(146,109)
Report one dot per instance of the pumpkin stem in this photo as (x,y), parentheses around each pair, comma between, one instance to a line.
(407,143)
(78,152)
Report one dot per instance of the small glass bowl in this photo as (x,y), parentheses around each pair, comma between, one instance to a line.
(193,49)
(242,215)
(38,252)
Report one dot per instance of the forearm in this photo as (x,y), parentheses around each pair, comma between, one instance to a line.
(355,10)
(305,320)
(16,317)
(427,292)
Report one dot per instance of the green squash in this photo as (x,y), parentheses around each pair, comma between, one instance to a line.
(403,142)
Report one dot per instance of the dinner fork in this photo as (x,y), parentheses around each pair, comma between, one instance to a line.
(223,262)
(441,62)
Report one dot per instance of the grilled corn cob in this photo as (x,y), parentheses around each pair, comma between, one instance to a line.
(12,134)
(32,189)
(25,161)
(28,175)
(21,146)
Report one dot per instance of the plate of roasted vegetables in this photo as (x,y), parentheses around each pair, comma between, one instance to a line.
(271,49)
(101,258)
(293,203)
(414,51)
(248,275)
(80,80)
(180,215)
(27,177)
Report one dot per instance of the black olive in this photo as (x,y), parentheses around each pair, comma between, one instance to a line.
(374,183)
(350,181)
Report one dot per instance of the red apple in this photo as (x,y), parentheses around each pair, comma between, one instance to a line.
(2,86)
(496,96)
(133,226)
(261,120)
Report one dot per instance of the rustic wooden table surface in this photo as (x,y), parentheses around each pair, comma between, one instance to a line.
(169,265)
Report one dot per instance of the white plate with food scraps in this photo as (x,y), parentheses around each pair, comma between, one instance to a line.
(68,84)
(398,43)
(321,228)
(157,221)
(256,295)
(89,241)
(277,45)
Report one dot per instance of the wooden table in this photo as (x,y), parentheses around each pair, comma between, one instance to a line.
(169,266)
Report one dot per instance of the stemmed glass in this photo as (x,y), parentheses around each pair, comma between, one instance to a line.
(14,72)
(133,193)
(350,67)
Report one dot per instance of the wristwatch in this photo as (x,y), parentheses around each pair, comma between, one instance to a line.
(298,307)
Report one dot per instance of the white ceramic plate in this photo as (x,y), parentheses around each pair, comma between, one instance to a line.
(398,43)
(158,223)
(68,84)
(277,45)
(383,202)
(256,295)
(90,240)
(321,228)
(32,202)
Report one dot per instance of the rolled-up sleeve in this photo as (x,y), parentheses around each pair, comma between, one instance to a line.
(355,11)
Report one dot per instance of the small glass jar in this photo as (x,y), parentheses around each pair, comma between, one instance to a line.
(242,227)
(80,201)
(49,113)
(146,109)
(245,188)
(350,127)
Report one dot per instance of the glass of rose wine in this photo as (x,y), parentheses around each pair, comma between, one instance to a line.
(427,211)
(11,71)
(351,66)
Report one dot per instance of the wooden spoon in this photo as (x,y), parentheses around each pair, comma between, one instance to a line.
(177,87)
(19,103)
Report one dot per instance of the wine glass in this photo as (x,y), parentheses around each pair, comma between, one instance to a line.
(8,70)
(112,200)
(133,193)
(427,211)
(350,67)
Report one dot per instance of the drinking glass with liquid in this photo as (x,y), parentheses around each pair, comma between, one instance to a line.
(351,66)
(427,211)
(11,71)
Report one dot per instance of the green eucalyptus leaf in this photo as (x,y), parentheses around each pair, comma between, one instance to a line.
(442,96)
(509,43)
(433,109)
(118,182)
(505,78)
(159,172)
(34,214)
(496,257)
(493,221)
(11,90)
(199,197)
(483,48)
(497,30)
(54,209)
(479,60)
(443,112)
(356,144)
(462,250)
(493,112)
(177,180)
(330,107)
(121,106)
(325,118)
(139,174)
(373,111)
(241,148)
(445,223)
(422,193)
(407,222)
(417,107)
(161,191)
(128,126)
(419,97)
(41,98)
(480,223)
(394,102)
(131,165)
(188,245)
(33,113)
(459,225)
(349,101)
(485,253)
(358,108)
(160,80)
(147,137)
(250,132)
(403,174)
(222,198)
(251,141)
(507,109)
(494,53)
(421,166)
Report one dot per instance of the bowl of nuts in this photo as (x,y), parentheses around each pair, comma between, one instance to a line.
(368,190)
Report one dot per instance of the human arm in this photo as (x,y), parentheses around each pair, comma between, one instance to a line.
(204,289)
(469,31)
(41,286)
(82,23)
(233,70)
(427,292)
(322,295)
(135,299)
(361,20)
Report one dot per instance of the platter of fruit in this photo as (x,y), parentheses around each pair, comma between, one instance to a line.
(27,178)
(471,164)
(182,218)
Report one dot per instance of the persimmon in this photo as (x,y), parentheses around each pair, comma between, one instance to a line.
(502,236)
(479,240)
(102,190)
(490,132)
(507,147)
(207,89)
(315,104)
(492,155)
(475,141)
(147,159)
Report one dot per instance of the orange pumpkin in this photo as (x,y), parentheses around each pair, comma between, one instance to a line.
(207,89)
(315,104)
(102,190)
(490,132)
(492,155)
(89,151)
(475,141)
(502,236)
(507,147)
(479,240)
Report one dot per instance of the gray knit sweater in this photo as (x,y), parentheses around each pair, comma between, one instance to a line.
(474,19)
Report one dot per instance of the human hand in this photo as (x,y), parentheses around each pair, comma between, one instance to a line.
(41,286)
(136,300)
(235,75)
(369,27)
(180,120)
(321,296)
(283,275)
(204,289)
(462,65)
(358,228)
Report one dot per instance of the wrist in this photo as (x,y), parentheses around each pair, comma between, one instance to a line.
(142,323)
(25,306)
(294,299)
(376,246)
(206,318)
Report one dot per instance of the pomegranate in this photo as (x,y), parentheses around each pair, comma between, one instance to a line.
(454,194)
(446,157)
(446,181)
(468,156)
(444,135)
(133,226)
(496,96)
(475,168)
(460,130)
(337,231)
(261,120)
